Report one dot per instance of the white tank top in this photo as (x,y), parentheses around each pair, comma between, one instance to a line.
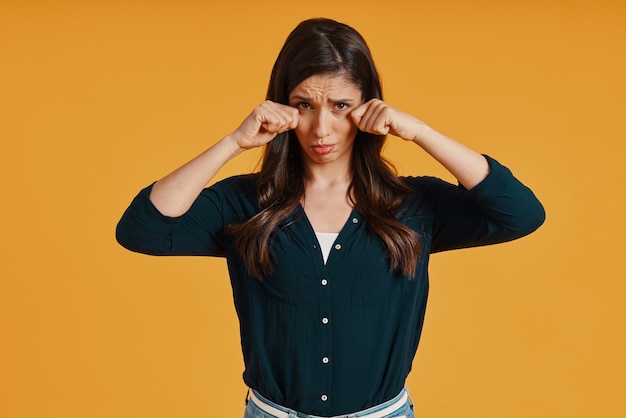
(326,240)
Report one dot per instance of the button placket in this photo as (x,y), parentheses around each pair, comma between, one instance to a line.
(325,352)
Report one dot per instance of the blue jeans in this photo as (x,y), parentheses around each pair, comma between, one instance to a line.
(405,411)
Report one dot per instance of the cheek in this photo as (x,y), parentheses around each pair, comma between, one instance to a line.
(301,134)
(347,125)
(303,128)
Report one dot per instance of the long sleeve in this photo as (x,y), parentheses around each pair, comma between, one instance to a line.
(200,231)
(498,209)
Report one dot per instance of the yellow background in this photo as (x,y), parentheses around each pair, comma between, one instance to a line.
(98,99)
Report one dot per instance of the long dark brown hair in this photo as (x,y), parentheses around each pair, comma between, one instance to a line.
(323,47)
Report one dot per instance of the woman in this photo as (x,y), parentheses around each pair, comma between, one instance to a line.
(327,248)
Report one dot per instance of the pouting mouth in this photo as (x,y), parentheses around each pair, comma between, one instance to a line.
(323,149)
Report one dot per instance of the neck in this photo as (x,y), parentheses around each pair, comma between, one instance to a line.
(329,175)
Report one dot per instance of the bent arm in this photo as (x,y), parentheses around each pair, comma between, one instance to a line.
(177,215)
(490,206)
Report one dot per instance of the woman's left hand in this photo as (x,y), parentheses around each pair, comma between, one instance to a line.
(377,117)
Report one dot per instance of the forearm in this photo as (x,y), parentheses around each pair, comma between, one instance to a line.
(174,194)
(465,164)
(377,117)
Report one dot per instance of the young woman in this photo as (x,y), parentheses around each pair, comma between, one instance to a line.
(327,248)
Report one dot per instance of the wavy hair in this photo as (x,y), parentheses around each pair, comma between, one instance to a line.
(326,47)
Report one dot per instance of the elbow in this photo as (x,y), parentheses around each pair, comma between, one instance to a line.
(534,217)
(123,239)
(142,241)
(540,216)
(142,229)
(523,220)
(537,216)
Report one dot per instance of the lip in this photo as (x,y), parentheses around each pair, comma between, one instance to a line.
(323,149)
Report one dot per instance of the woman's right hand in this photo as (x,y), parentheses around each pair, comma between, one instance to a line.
(265,122)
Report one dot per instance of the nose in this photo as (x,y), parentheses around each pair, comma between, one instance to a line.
(322,124)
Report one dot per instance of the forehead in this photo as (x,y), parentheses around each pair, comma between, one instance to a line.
(326,86)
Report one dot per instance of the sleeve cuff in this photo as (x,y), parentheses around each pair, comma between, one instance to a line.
(498,178)
(145,209)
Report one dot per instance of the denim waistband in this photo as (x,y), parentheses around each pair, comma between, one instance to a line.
(378,411)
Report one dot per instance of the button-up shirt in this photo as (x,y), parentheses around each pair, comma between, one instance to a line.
(337,337)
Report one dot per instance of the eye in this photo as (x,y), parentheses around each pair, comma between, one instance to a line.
(303,105)
(341,106)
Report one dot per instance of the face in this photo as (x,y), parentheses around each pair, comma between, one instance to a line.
(325,129)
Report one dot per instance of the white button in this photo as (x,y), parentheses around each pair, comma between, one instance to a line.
(324,321)
(325,360)
(324,282)
(324,398)
(355,221)
(337,246)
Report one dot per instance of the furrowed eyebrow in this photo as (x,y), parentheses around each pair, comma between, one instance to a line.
(308,99)
(304,99)
(343,101)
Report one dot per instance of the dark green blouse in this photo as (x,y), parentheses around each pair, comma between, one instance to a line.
(334,338)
